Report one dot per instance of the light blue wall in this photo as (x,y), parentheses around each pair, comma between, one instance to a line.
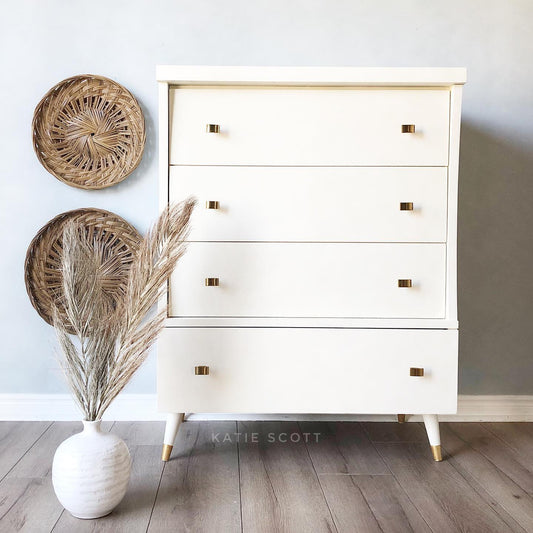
(43,42)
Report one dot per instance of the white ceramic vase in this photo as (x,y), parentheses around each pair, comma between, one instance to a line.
(91,471)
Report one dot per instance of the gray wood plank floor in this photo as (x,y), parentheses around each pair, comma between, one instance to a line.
(286,477)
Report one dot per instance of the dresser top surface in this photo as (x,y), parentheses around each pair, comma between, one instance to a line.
(309,76)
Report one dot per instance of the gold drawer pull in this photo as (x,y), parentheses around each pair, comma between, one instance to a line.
(407,283)
(406,206)
(212,204)
(408,128)
(416,372)
(201,370)
(212,282)
(214,128)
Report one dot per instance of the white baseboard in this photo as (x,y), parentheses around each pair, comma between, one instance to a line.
(135,407)
(143,407)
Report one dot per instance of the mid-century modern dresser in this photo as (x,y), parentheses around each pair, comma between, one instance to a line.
(320,276)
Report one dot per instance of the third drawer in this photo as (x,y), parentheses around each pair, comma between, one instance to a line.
(310,280)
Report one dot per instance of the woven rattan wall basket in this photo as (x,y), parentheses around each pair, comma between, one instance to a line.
(88,131)
(42,268)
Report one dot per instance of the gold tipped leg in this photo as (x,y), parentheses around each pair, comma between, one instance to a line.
(437,453)
(167,450)
(401,419)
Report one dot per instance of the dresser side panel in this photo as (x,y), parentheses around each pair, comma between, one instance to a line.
(163,132)
(453,182)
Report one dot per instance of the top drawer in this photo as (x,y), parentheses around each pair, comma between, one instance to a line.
(305,126)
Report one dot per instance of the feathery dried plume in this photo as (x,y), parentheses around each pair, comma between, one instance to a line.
(112,338)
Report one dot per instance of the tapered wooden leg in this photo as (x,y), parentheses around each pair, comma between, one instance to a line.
(401,419)
(432,428)
(174,421)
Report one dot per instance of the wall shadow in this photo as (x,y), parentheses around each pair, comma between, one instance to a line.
(495,263)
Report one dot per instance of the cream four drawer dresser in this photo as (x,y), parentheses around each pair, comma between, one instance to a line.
(321,271)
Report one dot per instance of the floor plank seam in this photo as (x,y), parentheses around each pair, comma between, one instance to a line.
(155,498)
(485,496)
(24,454)
(399,484)
(490,460)
(351,474)
(395,441)
(459,469)
(10,507)
(57,521)
(15,502)
(319,482)
(483,493)
(514,450)
(239,474)
(501,439)
(375,448)
(367,504)
(269,478)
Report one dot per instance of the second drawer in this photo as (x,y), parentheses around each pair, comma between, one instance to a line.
(345,204)
(310,280)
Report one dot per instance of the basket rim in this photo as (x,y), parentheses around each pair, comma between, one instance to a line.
(41,310)
(37,119)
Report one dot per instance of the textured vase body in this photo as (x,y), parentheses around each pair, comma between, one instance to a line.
(91,471)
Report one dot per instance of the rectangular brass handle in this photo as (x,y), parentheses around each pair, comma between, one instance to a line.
(407,283)
(416,372)
(212,128)
(408,128)
(212,282)
(406,206)
(201,370)
(212,204)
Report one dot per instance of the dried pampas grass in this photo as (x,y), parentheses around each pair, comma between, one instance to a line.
(111,339)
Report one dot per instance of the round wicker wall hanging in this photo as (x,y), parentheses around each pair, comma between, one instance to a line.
(88,131)
(42,268)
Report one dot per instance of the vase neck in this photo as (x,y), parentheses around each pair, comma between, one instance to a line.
(91,426)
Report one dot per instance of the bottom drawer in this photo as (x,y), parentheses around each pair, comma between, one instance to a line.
(292,370)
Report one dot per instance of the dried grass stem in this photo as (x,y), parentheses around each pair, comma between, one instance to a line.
(112,338)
